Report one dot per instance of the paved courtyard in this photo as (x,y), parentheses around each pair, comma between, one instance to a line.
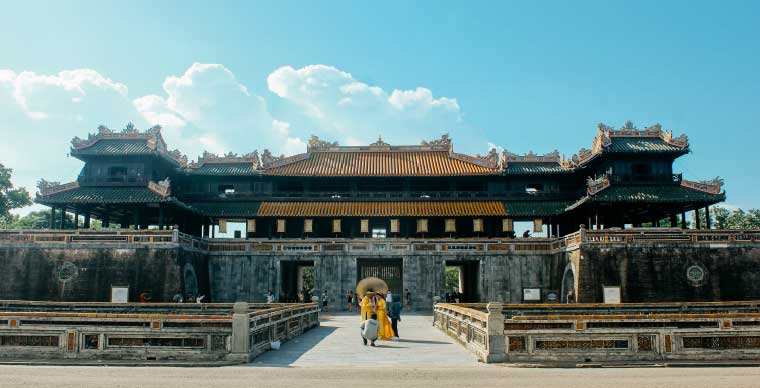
(332,356)
(337,342)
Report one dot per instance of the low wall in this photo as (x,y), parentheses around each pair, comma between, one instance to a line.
(599,333)
(189,332)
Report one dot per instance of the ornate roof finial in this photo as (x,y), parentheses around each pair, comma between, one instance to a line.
(130,128)
(628,125)
(379,142)
(316,144)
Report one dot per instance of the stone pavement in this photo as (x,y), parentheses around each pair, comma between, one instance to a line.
(337,342)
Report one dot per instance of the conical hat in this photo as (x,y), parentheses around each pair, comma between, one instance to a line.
(371,284)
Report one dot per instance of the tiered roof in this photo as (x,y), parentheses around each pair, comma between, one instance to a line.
(630,140)
(73,193)
(433,158)
(127,142)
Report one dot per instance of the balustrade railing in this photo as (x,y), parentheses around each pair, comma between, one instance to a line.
(122,180)
(332,245)
(132,331)
(88,236)
(600,332)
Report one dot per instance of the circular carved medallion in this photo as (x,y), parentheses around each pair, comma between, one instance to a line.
(696,274)
(67,271)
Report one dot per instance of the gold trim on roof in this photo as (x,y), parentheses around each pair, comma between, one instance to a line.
(381,209)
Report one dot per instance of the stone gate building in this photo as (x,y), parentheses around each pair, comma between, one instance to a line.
(257,222)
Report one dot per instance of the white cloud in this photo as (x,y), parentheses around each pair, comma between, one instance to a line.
(207,108)
(353,111)
(65,95)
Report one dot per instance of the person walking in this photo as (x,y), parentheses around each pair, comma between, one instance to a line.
(349,300)
(270,297)
(369,330)
(394,312)
(325,299)
(408,298)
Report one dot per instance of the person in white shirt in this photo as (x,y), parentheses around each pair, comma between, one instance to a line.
(370,328)
(270,297)
(388,299)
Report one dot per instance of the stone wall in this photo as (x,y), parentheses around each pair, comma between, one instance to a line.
(671,272)
(60,272)
(248,277)
(646,272)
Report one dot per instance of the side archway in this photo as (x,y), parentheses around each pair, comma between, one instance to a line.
(568,292)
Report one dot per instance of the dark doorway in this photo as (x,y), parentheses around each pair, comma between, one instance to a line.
(462,278)
(390,270)
(296,281)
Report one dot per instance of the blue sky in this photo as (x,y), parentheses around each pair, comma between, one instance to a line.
(520,75)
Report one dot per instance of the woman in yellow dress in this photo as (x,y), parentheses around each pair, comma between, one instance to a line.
(375,304)
(366,304)
(386,331)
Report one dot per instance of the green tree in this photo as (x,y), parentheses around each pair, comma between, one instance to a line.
(34,220)
(735,219)
(452,278)
(10,197)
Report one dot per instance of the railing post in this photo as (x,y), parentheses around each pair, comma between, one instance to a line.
(497,351)
(241,325)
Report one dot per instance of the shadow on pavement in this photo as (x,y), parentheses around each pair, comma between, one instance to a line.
(422,342)
(293,349)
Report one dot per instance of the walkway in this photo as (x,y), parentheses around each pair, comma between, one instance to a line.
(337,342)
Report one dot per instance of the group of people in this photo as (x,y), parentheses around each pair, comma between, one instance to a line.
(380,315)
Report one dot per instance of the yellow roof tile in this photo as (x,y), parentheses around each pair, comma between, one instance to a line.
(381,209)
(381,163)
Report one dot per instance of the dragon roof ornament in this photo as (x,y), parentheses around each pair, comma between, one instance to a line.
(443,142)
(531,157)
(229,157)
(130,132)
(489,160)
(317,144)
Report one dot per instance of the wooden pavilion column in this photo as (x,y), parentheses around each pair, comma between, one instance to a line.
(696,219)
(52,217)
(76,218)
(683,220)
(86,224)
(707,217)
(673,221)
(63,217)
(160,217)
(136,219)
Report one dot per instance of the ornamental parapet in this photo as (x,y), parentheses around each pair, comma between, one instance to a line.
(130,132)
(162,188)
(54,189)
(712,186)
(593,186)
(530,157)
